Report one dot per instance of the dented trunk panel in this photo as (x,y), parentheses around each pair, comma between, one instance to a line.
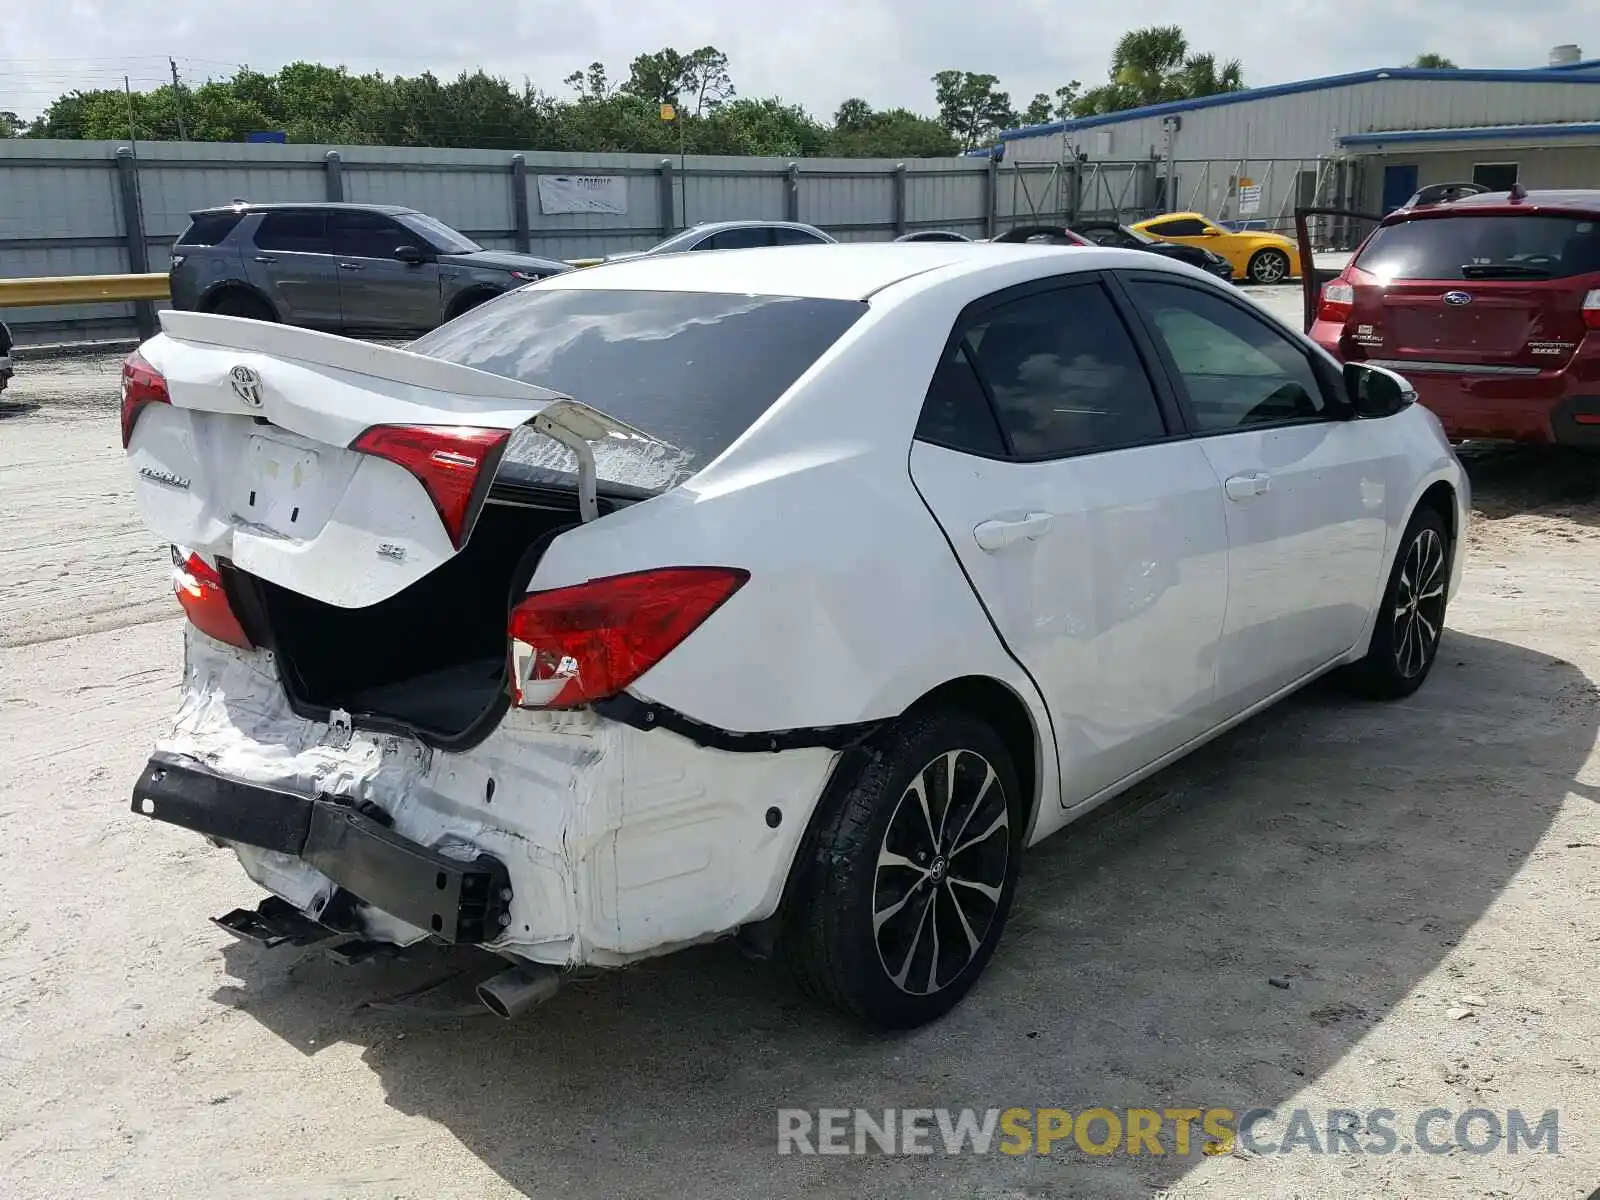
(620,843)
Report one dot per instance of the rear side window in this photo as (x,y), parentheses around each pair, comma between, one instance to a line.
(1488,246)
(690,368)
(303,231)
(208,229)
(795,237)
(746,238)
(1064,374)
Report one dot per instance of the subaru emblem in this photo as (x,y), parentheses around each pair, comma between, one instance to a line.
(1458,298)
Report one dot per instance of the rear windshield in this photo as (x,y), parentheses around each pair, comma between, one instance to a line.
(209,228)
(689,368)
(1508,246)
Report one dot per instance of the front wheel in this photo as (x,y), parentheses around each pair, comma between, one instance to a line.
(904,894)
(1268,267)
(1405,639)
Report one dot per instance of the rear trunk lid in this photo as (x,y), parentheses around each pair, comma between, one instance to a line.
(265,454)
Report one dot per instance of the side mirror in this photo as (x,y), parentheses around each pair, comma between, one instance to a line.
(1211,231)
(1377,391)
(410,255)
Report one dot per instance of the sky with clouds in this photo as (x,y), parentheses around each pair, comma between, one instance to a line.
(817,53)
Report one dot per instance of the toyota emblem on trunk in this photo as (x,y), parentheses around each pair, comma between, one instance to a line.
(246,385)
(1457,298)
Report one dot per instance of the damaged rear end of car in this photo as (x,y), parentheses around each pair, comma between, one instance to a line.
(400,730)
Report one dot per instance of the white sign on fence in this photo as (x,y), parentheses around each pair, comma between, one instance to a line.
(1249,199)
(583,194)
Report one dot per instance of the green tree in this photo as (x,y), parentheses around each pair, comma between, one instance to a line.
(1434,62)
(698,81)
(859,132)
(972,109)
(1152,66)
(12,126)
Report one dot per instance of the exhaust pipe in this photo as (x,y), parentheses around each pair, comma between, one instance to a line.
(512,993)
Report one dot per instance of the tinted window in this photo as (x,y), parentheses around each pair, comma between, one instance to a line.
(1183,227)
(957,413)
(795,237)
(209,228)
(367,235)
(743,238)
(1064,374)
(1237,369)
(439,236)
(1483,247)
(692,369)
(302,230)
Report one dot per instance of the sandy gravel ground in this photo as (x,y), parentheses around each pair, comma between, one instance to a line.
(1382,861)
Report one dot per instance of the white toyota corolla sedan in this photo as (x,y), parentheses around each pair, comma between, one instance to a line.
(789,593)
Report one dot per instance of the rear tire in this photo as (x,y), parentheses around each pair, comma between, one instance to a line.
(902,896)
(1405,640)
(1268,267)
(239,304)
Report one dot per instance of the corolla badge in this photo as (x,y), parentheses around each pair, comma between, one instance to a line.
(246,382)
(1458,298)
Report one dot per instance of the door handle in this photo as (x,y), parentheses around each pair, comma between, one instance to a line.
(1242,487)
(265,258)
(997,535)
(349,266)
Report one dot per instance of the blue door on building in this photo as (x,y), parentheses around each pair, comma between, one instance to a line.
(1399,185)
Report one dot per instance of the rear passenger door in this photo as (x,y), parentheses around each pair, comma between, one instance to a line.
(1305,487)
(291,262)
(1090,525)
(377,291)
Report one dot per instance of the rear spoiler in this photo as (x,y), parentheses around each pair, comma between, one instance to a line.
(1444,193)
(1312,277)
(574,424)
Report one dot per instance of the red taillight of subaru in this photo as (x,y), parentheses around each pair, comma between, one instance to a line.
(454,464)
(1338,301)
(142,385)
(571,646)
(199,589)
(1591,310)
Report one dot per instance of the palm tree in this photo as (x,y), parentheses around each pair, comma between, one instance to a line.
(1144,61)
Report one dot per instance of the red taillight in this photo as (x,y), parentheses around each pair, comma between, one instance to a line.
(1338,301)
(453,463)
(199,590)
(142,384)
(1591,310)
(574,645)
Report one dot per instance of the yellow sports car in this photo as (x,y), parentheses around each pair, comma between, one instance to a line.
(1257,257)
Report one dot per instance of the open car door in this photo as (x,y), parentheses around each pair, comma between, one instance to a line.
(1326,227)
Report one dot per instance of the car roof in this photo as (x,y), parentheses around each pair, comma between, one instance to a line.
(246,206)
(841,271)
(1581,201)
(707,226)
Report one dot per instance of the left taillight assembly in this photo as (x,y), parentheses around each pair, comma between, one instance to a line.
(142,385)
(199,589)
(455,465)
(1338,301)
(571,646)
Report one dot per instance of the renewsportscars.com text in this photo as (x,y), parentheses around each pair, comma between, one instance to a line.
(1166,1131)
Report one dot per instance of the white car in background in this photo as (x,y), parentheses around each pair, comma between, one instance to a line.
(733,235)
(788,594)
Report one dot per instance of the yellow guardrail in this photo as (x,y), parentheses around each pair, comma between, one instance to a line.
(82,289)
(112,289)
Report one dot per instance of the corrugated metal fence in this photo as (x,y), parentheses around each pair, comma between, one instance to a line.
(90,208)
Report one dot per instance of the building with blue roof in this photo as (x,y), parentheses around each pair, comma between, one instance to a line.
(1365,140)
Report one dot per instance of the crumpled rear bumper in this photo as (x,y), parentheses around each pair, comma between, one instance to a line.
(616,843)
(365,860)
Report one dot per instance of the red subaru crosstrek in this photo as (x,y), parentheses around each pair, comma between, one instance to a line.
(1489,303)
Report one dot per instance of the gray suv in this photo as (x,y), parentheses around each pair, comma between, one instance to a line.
(370,268)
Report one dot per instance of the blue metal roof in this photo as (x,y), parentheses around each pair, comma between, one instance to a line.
(1566,74)
(1476,133)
